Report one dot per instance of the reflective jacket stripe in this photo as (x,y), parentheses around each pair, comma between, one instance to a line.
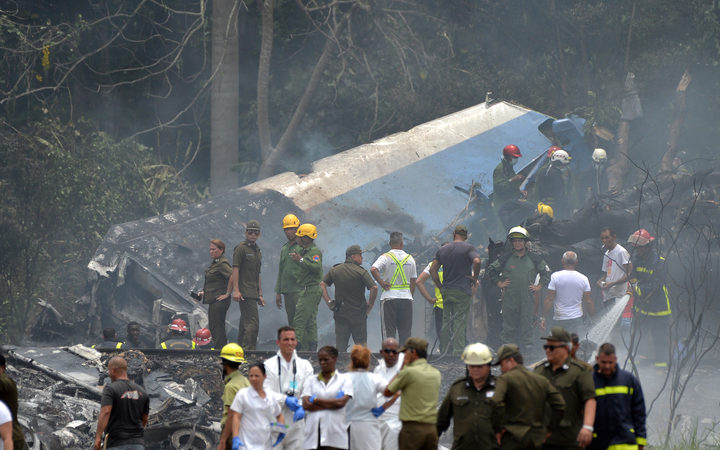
(399,272)
(667,312)
(608,390)
(623,447)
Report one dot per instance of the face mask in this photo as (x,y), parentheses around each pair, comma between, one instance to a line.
(513,161)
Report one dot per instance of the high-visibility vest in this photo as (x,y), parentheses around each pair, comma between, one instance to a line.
(438,295)
(667,311)
(399,273)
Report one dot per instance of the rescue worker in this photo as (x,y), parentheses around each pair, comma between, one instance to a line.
(231,356)
(599,162)
(436,301)
(133,333)
(246,285)
(110,340)
(652,301)
(9,396)
(178,338)
(396,273)
(469,403)
(577,388)
(461,268)
(214,293)
(553,184)
(515,274)
(308,261)
(620,418)
(506,183)
(545,209)
(387,368)
(519,403)
(203,338)
(350,310)
(286,284)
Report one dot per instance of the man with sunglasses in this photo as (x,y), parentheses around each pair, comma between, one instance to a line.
(246,286)
(577,387)
(390,424)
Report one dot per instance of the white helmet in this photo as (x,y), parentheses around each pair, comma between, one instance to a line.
(599,156)
(518,232)
(560,156)
(476,355)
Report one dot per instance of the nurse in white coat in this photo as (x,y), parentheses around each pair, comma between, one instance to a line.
(361,413)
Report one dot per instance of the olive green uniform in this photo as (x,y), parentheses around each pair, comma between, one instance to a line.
(504,189)
(216,281)
(247,258)
(233,383)
(576,385)
(9,395)
(350,280)
(471,411)
(287,279)
(309,271)
(519,407)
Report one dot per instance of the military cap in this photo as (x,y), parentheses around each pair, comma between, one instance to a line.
(414,343)
(253,225)
(505,352)
(461,229)
(558,334)
(353,250)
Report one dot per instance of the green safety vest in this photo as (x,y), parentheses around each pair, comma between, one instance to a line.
(399,273)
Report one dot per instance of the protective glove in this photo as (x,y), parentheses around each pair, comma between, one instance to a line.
(377,412)
(237,443)
(280,437)
(299,414)
(312,399)
(292,403)
(340,394)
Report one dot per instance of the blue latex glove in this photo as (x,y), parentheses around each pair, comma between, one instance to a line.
(312,399)
(292,403)
(377,412)
(280,437)
(341,394)
(299,414)
(237,443)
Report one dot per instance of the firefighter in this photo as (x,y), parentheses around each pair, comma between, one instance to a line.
(553,184)
(110,340)
(469,402)
(286,285)
(599,162)
(307,260)
(202,338)
(506,183)
(178,338)
(231,356)
(651,299)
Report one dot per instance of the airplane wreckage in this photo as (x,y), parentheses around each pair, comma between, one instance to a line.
(144,270)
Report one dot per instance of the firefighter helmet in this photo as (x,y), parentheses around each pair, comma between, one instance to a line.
(561,156)
(476,355)
(291,221)
(202,336)
(545,209)
(233,352)
(518,232)
(512,151)
(599,156)
(307,229)
(552,150)
(178,325)
(640,238)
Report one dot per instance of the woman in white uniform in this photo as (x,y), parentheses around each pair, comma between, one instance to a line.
(324,398)
(255,409)
(361,413)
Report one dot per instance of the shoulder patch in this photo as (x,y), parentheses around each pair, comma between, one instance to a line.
(316,258)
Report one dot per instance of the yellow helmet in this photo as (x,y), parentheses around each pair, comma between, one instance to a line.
(233,352)
(545,209)
(307,229)
(291,221)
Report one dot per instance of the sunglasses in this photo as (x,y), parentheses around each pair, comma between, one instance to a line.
(552,347)
(389,350)
(253,232)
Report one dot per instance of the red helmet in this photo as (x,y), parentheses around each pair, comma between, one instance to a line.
(553,149)
(178,325)
(512,150)
(640,238)
(202,337)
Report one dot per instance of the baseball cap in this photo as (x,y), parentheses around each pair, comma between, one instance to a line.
(353,250)
(414,343)
(461,229)
(506,351)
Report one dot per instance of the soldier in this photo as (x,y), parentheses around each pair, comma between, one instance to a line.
(577,388)
(469,403)
(308,261)
(286,284)
(575,339)
(246,285)
(178,338)
(214,293)
(349,307)
(519,403)
(9,396)
(231,356)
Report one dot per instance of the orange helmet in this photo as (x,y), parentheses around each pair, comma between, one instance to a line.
(640,238)
(512,151)
(178,325)
(203,336)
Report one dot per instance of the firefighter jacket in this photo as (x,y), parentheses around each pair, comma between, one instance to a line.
(648,281)
(620,413)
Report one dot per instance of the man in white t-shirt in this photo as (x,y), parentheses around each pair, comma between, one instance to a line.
(396,273)
(286,373)
(567,291)
(390,365)
(615,266)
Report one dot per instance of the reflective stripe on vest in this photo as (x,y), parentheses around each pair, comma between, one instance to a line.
(399,272)
(666,312)
(608,390)
(623,447)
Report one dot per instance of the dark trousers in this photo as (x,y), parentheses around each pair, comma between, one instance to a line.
(418,436)
(216,322)
(249,324)
(397,317)
(290,301)
(346,326)
(438,318)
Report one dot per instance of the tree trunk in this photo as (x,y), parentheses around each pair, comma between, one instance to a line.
(225,97)
(616,172)
(679,108)
(266,44)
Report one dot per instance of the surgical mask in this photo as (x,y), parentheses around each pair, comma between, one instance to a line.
(513,161)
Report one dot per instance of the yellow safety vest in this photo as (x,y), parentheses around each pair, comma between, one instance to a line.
(399,273)
(438,295)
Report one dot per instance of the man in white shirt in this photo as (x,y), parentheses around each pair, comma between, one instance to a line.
(390,424)
(616,266)
(567,291)
(286,374)
(396,273)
